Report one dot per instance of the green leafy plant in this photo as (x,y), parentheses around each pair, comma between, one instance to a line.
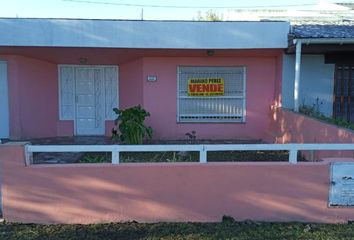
(95,159)
(314,111)
(192,136)
(173,158)
(130,125)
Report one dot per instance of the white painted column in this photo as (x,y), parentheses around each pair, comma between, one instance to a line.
(115,157)
(297,74)
(203,155)
(4,101)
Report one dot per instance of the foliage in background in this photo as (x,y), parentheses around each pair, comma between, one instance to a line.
(314,111)
(210,16)
(130,123)
(95,158)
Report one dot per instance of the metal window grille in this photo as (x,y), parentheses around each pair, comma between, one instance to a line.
(227,108)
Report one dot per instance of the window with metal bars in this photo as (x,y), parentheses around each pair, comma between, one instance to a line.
(227,105)
(343,106)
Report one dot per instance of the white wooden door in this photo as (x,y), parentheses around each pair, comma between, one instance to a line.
(89,98)
(4,101)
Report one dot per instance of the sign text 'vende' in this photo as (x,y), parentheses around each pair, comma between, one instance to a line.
(206,87)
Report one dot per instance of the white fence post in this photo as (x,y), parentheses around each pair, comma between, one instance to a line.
(115,157)
(28,155)
(293,155)
(203,155)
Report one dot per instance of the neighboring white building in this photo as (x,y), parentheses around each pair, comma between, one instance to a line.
(323,12)
(324,77)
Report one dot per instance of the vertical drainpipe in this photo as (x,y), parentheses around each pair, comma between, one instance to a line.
(297,43)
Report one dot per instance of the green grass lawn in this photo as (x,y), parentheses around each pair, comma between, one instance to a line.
(227,229)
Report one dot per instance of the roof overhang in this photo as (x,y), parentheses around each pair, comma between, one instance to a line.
(117,56)
(339,41)
(142,34)
(322,45)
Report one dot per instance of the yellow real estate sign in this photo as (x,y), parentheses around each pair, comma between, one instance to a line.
(206,87)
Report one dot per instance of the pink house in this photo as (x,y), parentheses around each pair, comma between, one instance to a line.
(62,77)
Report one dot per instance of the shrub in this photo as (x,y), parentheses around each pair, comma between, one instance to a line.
(313,111)
(131,125)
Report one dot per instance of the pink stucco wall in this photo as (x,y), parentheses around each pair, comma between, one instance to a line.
(87,193)
(290,127)
(34,94)
(262,82)
(131,84)
(33,97)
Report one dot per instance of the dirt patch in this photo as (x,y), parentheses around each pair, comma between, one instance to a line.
(54,158)
(219,156)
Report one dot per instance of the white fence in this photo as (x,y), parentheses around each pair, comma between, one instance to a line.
(115,150)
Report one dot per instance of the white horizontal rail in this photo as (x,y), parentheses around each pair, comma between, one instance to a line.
(210,115)
(293,148)
(109,148)
(71,148)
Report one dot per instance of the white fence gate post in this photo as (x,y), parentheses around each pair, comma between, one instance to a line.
(28,155)
(115,157)
(203,155)
(293,155)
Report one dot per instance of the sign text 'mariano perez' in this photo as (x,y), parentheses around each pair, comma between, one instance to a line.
(206,87)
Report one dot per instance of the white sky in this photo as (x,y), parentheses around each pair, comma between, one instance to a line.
(109,9)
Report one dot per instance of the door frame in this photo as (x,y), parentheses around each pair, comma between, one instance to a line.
(341,98)
(76,102)
(75,66)
(4,103)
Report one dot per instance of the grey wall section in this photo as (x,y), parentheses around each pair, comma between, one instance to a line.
(143,34)
(4,101)
(316,81)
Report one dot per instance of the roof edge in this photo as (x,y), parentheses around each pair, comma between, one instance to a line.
(139,20)
(324,40)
